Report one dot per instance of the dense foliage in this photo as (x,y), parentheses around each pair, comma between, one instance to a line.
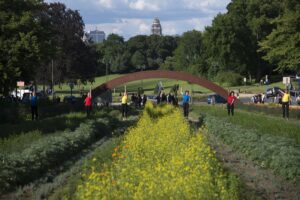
(253,38)
(32,34)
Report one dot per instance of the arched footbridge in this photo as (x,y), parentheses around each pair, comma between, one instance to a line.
(177,75)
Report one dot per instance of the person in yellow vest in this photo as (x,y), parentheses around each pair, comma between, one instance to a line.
(124,105)
(285,104)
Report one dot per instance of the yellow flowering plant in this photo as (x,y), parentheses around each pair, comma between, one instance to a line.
(160,158)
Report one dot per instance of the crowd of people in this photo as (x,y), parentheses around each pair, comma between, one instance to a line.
(139,100)
(169,98)
(259,98)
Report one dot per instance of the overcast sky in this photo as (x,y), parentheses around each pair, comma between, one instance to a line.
(132,17)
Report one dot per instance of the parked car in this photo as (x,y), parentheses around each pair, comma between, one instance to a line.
(275,91)
(20,93)
(26,97)
(218,99)
(69,99)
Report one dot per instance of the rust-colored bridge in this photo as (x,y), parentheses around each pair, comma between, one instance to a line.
(184,76)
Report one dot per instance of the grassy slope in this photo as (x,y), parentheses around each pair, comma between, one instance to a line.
(149,84)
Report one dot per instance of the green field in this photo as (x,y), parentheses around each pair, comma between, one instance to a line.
(149,85)
(32,151)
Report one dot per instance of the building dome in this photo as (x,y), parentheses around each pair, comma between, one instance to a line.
(156,27)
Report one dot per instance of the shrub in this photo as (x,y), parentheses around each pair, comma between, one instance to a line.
(229,78)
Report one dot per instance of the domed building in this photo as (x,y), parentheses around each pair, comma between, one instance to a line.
(156,27)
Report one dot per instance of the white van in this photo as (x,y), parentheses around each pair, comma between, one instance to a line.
(20,93)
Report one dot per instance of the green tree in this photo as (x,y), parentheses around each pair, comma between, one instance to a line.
(115,55)
(189,53)
(137,47)
(139,60)
(229,41)
(20,50)
(282,46)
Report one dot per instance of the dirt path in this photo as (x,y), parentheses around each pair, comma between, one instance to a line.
(260,181)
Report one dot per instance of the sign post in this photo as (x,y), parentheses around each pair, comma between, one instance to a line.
(298,80)
(267,84)
(20,83)
(286,81)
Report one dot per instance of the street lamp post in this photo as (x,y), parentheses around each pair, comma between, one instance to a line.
(106,71)
(52,80)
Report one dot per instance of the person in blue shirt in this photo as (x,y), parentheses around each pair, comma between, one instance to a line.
(34,106)
(185,103)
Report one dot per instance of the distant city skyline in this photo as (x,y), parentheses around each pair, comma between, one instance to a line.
(133,17)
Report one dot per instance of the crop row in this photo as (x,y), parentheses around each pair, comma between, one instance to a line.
(278,153)
(159,158)
(47,153)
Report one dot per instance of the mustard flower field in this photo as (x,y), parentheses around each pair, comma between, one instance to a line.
(160,158)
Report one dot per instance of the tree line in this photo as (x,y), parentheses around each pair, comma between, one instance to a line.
(34,35)
(252,39)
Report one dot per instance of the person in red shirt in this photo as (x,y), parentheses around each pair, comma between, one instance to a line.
(88,104)
(230,103)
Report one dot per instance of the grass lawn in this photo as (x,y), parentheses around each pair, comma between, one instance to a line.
(150,84)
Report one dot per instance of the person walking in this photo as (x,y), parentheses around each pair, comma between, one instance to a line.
(88,104)
(213,100)
(185,103)
(285,104)
(144,100)
(158,98)
(298,99)
(230,103)
(263,98)
(124,105)
(34,106)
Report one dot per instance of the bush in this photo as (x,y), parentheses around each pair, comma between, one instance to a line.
(229,78)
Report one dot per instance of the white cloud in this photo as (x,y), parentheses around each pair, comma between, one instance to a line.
(199,23)
(131,27)
(206,5)
(132,17)
(106,3)
(143,5)
(144,28)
